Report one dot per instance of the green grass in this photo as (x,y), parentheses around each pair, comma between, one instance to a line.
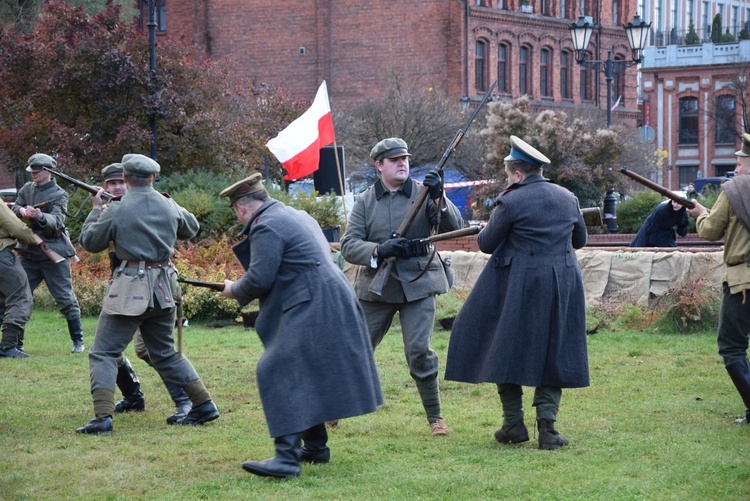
(656,423)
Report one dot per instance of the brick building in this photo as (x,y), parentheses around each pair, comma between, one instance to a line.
(458,47)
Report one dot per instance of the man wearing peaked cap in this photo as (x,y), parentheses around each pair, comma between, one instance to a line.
(309,372)
(527,299)
(370,239)
(143,294)
(49,223)
(730,218)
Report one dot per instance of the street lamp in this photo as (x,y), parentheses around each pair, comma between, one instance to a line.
(152,67)
(636,31)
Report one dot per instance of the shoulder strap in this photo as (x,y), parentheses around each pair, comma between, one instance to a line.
(740,204)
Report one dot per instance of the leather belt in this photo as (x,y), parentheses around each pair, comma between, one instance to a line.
(148,264)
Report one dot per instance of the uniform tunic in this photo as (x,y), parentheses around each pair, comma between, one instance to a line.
(317,364)
(15,295)
(524,321)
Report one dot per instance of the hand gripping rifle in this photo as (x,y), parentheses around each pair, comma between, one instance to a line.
(658,188)
(384,272)
(75,182)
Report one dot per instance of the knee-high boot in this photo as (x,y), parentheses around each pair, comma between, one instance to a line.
(181,401)
(75,329)
(315,449)
(127,381)
(285,464)
(739,372)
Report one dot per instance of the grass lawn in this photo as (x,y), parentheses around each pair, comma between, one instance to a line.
(656,423)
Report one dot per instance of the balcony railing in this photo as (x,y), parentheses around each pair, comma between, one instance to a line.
(674,36)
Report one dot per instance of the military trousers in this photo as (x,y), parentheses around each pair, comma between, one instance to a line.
(15,295)
(417,320)
(59,283)
(115,332)
(734,326)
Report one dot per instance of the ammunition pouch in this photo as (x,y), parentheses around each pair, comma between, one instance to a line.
(415,247)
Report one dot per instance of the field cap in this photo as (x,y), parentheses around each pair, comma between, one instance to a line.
(521,150)
(111,172)
(392,147)
(247,186)
(134,163)
(745,150)
(39,160)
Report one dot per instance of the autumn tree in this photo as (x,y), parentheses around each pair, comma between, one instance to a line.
(79,87)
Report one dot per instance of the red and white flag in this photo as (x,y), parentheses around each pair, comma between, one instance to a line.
(298,146)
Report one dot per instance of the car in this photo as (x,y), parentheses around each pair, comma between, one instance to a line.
(8,194)
(716,181)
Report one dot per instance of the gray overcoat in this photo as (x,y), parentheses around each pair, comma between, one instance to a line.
(524,321)
(51,228)
(318,363)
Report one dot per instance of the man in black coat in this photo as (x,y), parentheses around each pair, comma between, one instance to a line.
(524,322)
(659,228)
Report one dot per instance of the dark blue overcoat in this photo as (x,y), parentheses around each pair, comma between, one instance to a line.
(524,321)
(659,228)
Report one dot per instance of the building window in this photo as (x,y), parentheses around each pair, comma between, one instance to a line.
(618,85)
(615,17)
(585,84)
(523,70)
(160,14)
(480,66)
(688,173)
(502,69)
(688,120)
(726,130)
(565,75)
(544,7)
(545,73)
(563,7)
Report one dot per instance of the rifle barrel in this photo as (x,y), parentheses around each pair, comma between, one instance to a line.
(658,188)
(215,286)
(75,182)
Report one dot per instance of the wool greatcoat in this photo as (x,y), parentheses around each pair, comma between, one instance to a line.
(524,321)
(318,364)
(659,228)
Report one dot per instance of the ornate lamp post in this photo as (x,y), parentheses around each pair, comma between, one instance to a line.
(152,67)
(636,31)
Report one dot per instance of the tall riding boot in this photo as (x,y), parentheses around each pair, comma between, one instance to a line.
(549,438)
(740,374)
(76,334)
(127,381)
(9,342)
(315,449)
(181,401)
(285,464)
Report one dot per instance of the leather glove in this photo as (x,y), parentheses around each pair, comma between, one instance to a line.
(393,248)
(435,183)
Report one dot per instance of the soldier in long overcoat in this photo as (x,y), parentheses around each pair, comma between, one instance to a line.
(524,322)
(317,364)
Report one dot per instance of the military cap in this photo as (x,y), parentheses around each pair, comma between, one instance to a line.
(39,160)
(745,150)
(389,148)
(139,164)
(523,151)
(111,172)
(247,186)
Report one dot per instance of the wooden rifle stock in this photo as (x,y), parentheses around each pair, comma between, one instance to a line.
(75,182)
(384,272)
(52,255)
(37,206)
(658,188)
(215,286)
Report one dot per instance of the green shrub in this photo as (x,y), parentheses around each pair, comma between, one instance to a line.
(692,306)
(631,214)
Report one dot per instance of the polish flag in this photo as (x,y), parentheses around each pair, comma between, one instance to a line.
(298,146)
(617,103)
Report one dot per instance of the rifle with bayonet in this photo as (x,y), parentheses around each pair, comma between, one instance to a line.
(384,271)
(658,188)
(75,182)
(214,286)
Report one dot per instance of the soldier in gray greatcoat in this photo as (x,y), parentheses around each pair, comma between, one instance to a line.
(49,223)
(376,215)
(144,226)
(317,363)
(524,322)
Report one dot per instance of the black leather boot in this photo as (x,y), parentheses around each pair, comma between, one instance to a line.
(97,426)
(76,334)
(549,438)
(739,372)
(514,434)
(315,449)
(127,381)
(9,343)
(205,412)
(182,404)
(285,464)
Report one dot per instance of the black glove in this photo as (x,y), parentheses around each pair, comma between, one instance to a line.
(393,248)
(435,183)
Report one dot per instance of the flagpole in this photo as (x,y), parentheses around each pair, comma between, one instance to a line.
(341,181)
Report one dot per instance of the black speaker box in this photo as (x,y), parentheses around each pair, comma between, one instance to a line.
(325,178)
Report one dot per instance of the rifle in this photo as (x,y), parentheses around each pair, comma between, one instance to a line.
(37,206)
(75,182)
(214,286)
(52,255)
(659,189)
(384,272)
(448,235)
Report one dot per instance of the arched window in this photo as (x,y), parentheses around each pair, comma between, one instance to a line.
(565,75)
(524,60)
(618,84)
(480,66)
(545,73)
(584,88)
(726,121)
(503,82)
(688,120)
